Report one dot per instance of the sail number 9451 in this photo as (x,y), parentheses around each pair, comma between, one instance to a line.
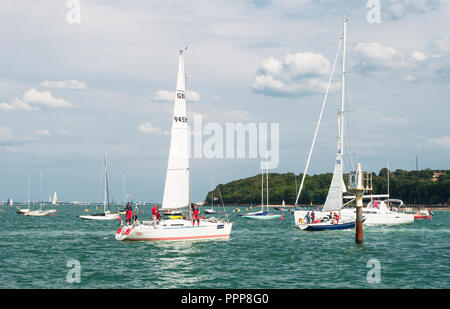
(180,119)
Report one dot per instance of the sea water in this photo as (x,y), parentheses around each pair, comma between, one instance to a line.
(39,252)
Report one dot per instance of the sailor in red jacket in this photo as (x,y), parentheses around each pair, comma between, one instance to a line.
(129,213)
(196,216)
(155,213)
(336,218)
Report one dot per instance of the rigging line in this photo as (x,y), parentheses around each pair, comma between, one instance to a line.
(223,205)
(368,98)
(347,128)
(318,123)
(100,172)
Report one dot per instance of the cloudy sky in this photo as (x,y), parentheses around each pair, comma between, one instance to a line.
(70,91)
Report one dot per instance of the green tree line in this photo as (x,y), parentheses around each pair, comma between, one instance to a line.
(413,187)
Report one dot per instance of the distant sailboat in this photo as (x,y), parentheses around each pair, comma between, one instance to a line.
(177,187)
(263,215)
(211,210)
(55,199)
(106,214)
(22,211)
(40,212)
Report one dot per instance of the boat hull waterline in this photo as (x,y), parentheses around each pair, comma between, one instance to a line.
(101,217)
(327,226)
(174,230)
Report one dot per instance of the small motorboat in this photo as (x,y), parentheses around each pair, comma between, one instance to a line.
(423,214)
(210,211)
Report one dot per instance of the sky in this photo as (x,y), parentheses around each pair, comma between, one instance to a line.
(71,89)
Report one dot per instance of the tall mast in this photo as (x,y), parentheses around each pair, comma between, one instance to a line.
(40,196)
(106,195)
(388,176)
(28,191)
(267,186)
(341,114)
(124,196)
(262,189)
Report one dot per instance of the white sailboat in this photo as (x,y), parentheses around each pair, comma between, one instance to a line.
(211,210)
(177,187)
(263,215)
(22,211)
(333,203)
(378,212)
(106,214)
(40,212)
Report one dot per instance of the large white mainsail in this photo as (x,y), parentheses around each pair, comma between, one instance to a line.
(176,189)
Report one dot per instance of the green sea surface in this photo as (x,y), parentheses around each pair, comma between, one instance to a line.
(36,252)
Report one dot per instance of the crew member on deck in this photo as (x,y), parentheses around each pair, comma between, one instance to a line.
(155,213)
(196,216)
(129,213)
(313,217)
(307,217)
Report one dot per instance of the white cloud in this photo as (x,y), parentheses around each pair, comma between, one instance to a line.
(17,104)
(411,66)
(167,96)
(64,84)
(299,74)
(42,133)
(373,57)
(148,128)
(45,98)
(419,55)
(33,100)
(397,9)
(443,141)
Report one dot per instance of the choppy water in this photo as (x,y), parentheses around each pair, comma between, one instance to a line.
(34,252)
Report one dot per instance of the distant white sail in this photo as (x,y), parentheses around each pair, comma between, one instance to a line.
(176,189)
(55,199)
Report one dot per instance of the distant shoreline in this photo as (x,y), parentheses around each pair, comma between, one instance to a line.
(413,207)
